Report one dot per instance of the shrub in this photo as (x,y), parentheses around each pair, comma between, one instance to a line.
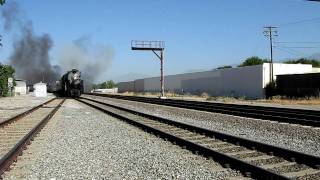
(270,90)
(6,71)
(251,61)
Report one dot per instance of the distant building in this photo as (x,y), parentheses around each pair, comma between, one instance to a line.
(248,81)
(20,88)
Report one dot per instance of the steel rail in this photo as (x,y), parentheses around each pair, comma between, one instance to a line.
(16,151)
(244,167)
(23,114)
(293,116)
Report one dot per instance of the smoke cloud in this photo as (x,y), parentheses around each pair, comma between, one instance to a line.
(91,59)
(30,56)
(10,14)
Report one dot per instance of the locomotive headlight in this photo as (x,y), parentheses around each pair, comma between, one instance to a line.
(75,76)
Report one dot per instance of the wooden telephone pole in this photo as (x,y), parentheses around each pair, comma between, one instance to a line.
(271,32)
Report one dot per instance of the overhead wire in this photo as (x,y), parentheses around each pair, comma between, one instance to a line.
(301,47)
(284,50)
(298,42)
(316,20)
(290,51)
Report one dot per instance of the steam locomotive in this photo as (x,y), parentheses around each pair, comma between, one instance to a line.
(71,84)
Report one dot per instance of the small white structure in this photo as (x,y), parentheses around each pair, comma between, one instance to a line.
(40,90)
(106,91)
(21,87)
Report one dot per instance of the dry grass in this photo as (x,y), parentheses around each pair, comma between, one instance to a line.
(286,101)
(206,97)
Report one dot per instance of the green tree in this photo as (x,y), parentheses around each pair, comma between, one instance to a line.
(6,71)
(254,60)
(224,67)
(315,63)
(110,84)
(105,85)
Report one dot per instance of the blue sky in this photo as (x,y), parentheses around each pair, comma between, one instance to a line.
(198,34)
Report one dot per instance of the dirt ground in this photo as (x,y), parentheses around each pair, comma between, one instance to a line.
(312,103)
(11,106)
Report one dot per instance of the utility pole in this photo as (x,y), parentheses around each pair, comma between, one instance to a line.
(271,32)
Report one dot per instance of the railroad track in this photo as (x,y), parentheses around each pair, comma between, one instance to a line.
(287,115)
(251,158)
(18,132)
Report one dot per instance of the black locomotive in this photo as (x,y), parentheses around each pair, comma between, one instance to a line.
(71,84)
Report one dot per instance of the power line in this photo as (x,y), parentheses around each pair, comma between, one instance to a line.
(301,47)
(291,50)
(287,42)
(317,19)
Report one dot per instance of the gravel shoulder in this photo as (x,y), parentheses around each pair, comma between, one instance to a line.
(11,106)
(87,144)
(296,137)
(312,104)
(277,105)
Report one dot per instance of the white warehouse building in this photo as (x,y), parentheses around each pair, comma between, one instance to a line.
(248,81)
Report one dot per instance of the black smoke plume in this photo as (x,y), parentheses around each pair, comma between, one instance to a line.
(30,56)
(10,14)
(93,60)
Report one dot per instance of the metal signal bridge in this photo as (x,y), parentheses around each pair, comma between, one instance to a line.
(156,47)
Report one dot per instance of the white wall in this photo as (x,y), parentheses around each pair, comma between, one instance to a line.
(174,82)
(125,86)
(279,68)
(20,88)
(238,82)
(246,81)
(40,90)
(241,81)
(108,91)
(315,70)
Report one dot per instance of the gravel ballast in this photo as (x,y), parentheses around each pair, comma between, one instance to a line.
(11,106)
(296,137)
(87,144)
